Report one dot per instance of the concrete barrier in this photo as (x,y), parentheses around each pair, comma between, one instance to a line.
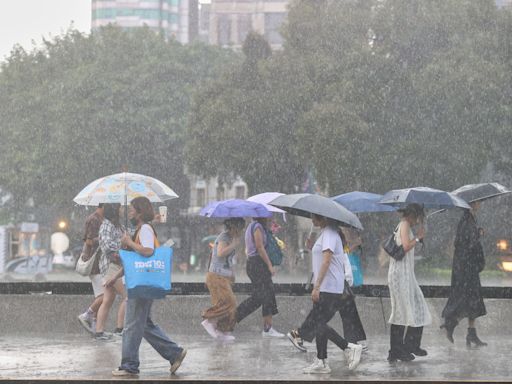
(57,314)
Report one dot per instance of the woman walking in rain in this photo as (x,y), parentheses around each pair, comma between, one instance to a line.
(260,271)
(327,297)
(220,318)
(138,323)
(110,235)
(408,306)
(468,261)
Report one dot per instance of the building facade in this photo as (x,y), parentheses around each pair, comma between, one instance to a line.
(204,191)
(231,20)
(176,19)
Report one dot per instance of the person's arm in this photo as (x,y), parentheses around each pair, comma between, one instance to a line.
(260,247)
(146,247)
(141,250)
(224,249)
(404,236)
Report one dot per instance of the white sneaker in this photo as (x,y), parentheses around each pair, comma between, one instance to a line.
(272,333)
(86,322)
(353,355)
(319,366)
(210,328)
(225,336)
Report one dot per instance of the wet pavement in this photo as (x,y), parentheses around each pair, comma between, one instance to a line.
(249,357)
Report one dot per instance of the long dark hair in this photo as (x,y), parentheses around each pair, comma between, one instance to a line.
(111,213)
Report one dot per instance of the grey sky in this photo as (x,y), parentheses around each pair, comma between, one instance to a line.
(22,21)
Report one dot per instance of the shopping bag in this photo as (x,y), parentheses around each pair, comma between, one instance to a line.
(357,271)
(147,277)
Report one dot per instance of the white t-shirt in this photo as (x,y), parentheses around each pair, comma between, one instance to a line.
(147,236)
(334,279)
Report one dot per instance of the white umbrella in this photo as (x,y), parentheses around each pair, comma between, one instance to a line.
(122,188)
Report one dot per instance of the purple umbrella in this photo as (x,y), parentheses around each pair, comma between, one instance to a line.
(235,208)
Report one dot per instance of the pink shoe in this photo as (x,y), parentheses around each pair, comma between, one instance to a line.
(210,328)
(225,336)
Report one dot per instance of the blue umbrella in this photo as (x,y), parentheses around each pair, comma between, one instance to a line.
(425,196)
(235,208)
(362,202)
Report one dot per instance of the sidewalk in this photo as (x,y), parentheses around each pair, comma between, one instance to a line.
(250,357)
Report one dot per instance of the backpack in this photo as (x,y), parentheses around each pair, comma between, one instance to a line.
(273,251)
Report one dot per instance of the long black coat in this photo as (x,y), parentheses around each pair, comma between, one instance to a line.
(468,261)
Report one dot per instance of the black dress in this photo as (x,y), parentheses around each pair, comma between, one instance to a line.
(468,261)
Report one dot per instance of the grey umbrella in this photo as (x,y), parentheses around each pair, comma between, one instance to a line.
(304,204)
(425,196)
(479,192)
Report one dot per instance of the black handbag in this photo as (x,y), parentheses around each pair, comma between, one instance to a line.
(392,248)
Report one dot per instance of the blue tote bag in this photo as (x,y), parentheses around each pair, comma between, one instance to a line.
(357,270)
(147,277)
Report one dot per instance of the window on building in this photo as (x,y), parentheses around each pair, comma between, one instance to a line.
(201,197)
(224,30)
(244,27)
(240,192)
(273,22)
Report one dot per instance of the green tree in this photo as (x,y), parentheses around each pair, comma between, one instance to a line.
(85,106)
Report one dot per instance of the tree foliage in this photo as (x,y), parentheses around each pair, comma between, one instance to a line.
(86,106)
(373,95)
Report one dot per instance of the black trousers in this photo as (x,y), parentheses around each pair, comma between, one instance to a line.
(315,325)
(409,341)
(262,291)
(353,330)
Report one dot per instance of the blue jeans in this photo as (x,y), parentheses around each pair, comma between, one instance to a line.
(138,324)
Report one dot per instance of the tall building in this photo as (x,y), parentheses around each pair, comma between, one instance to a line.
(173,18)
(231,20)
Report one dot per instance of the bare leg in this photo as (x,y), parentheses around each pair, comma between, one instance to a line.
(96,304)
(108,299)
(121,291)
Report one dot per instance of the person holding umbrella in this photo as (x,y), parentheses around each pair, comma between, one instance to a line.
(220,318)
(328,263)
(408,306)
(465,298)
(327,296)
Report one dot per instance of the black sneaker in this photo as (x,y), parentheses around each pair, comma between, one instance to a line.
(296,340)
(102,336)
(178,361)
(401,355)
(419,352)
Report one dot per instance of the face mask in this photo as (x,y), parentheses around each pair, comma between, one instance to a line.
(133,221)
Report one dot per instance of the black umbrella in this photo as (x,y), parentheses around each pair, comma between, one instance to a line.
(479,192)
(304,204)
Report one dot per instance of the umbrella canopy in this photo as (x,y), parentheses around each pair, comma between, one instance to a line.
(362,202)
(235,208)
(265,199)
(122,188)
(304,204)
(478,192)
(425,196)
